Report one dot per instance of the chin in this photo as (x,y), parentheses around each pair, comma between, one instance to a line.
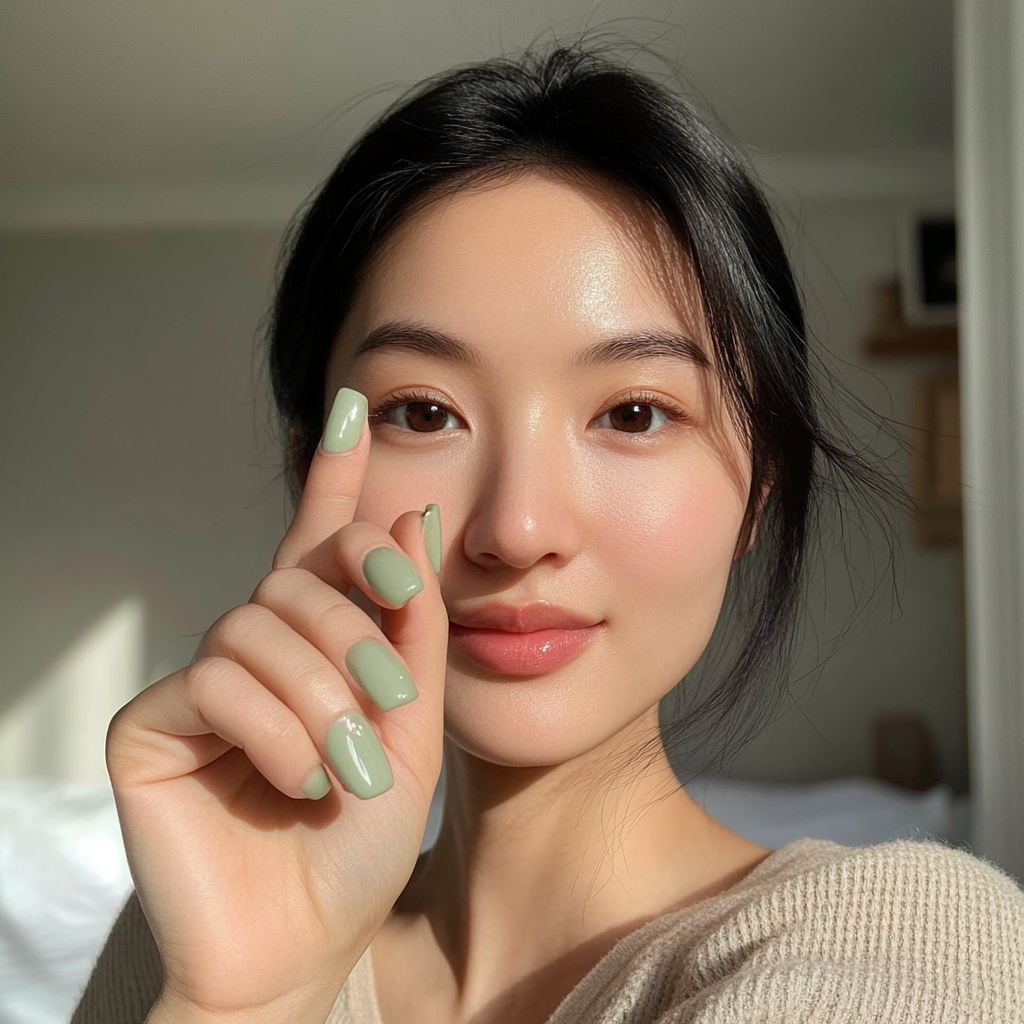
(532,723)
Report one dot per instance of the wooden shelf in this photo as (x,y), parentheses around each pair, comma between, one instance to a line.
(914,341)
(936,476)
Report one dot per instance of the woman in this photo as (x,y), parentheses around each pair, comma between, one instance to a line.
(542,301)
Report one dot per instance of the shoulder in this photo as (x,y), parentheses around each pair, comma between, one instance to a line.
(899,931)
(923,869)
(900,888)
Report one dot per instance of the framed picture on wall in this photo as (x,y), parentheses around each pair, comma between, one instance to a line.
(928,272)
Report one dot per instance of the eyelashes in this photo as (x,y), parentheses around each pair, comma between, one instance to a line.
(425,412)
(430,411)
(638,409)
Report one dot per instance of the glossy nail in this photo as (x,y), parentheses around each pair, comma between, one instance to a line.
(345,423)
(357,756)
(317,786)
(384,678)
(432,534)
(392,575)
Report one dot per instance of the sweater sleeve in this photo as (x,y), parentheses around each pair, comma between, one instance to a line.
(900,933)
(127,978)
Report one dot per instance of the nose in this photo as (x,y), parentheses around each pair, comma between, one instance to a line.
(527,507)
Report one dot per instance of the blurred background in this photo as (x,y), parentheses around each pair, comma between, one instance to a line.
(151,156)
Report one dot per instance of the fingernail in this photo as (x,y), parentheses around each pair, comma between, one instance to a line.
(317,786)
(385,679)
(357,756)
(345,423)
(392,575)
(432,534)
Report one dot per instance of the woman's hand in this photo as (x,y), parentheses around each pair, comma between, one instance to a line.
(261,892)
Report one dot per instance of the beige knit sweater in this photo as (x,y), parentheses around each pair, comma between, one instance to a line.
(902,933)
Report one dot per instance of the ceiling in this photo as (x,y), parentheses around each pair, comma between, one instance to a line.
(148,95)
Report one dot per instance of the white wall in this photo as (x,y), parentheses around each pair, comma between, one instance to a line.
(134,465)
(136,469)
(914,664)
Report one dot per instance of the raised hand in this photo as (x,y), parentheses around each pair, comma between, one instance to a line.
(273,793)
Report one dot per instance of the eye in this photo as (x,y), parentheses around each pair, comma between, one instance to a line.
(633,417)
(640,414)
(415,412)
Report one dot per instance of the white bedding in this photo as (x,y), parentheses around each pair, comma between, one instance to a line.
(63,875)
(851,811)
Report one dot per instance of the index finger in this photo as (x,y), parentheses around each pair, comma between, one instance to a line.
(335,479)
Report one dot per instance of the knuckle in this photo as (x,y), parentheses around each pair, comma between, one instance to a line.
(233,629)
(349,538)
(333,620)
(283,730)
(284,555)
(122,749)
(338,508)
(278,584)
(265,588)
(313,681)
(268,587)
(116,728)
(205,677)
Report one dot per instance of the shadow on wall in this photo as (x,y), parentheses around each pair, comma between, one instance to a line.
(134,454)
(57,727)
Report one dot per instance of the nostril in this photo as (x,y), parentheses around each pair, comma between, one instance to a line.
(524,514)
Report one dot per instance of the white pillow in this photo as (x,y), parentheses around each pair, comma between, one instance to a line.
(63,879)
(851,811)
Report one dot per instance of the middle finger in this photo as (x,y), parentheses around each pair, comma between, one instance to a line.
(362,554)
(341,632)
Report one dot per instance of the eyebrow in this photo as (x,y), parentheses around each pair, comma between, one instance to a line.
(643,345)
(624,348)
(416,338)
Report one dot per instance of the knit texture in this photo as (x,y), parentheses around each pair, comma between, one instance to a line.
(901,933)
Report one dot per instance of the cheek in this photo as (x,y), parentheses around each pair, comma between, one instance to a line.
(396,485)
(672,532)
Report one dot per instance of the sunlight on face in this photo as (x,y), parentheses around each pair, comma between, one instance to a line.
(524,371)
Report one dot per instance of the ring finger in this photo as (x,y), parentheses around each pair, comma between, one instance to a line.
(318,692)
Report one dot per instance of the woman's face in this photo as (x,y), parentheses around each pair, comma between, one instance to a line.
(531,377)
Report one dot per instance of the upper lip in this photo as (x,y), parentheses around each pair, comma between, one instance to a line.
(522,618)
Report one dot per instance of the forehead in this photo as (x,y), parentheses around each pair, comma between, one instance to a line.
(532,253)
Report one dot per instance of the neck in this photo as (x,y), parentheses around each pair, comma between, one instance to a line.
(544,869)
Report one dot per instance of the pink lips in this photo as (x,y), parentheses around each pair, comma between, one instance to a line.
(526,640)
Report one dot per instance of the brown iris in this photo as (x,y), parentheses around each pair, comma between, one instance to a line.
(633,417)
(425,417)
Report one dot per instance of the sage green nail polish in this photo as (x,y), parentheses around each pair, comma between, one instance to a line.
(385,679)
(392,575)
(432,534)
(317,786)
(345,423)
(357,756)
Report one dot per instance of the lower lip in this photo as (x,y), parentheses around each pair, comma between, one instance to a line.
(522,654)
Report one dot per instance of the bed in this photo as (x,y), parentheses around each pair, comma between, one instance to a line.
(63,874)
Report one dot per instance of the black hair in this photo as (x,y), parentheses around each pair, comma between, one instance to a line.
(576,110)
